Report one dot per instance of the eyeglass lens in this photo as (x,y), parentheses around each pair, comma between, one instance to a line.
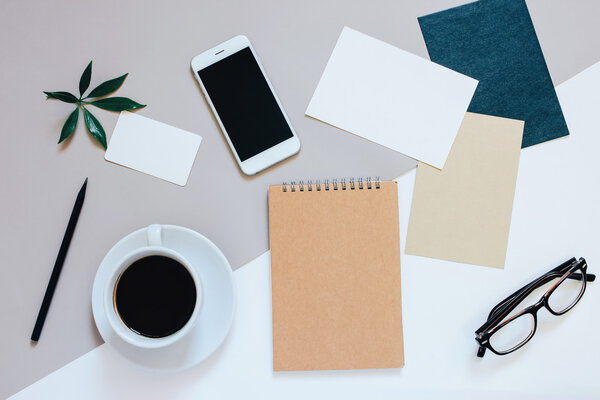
(566,294)
(513,334)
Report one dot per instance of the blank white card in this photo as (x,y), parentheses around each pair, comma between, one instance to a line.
(391,97)
(153,148)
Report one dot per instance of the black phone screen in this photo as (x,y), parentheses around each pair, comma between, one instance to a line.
(245,104)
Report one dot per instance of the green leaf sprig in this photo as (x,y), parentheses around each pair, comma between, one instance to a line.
(108,103)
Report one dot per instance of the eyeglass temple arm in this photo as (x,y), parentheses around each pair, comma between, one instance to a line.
(544,278)
(511,302)
(556,272)
(537,283)
(588,277)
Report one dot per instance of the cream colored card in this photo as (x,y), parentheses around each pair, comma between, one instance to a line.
(463,212)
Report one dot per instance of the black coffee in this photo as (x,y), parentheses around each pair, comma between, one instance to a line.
(155,296)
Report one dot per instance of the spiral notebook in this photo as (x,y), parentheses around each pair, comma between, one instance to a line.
(335,274)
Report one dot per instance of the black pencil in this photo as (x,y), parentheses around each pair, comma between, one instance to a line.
(60,259)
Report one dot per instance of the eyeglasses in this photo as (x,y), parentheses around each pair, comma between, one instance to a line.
(503,336)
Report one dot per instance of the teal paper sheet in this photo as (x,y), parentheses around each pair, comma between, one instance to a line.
(495,42)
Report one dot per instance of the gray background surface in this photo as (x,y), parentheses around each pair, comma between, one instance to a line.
(46,45)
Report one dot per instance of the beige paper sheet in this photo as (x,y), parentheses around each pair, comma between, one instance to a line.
(335,271)
(462,213)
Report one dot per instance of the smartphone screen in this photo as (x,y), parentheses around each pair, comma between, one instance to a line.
(245,104)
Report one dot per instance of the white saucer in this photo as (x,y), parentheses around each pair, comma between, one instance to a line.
(216,314)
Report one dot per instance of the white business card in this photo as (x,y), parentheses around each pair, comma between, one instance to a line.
(153,148)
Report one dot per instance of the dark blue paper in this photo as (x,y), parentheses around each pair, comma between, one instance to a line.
(494,42)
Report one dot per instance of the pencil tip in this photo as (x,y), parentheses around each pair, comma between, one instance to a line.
(83,187)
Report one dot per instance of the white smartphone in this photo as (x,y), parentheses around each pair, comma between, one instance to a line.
(245,105)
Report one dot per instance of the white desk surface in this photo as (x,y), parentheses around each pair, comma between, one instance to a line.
(556,216)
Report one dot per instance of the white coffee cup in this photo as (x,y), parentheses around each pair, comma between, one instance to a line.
(154,247)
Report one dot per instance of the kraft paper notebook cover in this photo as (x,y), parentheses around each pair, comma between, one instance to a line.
(463,212)
(335,271)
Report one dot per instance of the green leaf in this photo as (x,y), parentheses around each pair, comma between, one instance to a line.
(84,81)
(117,104)
(62,96)
(94,127)
(69,125)
(107,87)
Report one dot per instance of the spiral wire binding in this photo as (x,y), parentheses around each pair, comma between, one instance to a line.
(335,185)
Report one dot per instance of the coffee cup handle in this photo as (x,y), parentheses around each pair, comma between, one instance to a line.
(154,234)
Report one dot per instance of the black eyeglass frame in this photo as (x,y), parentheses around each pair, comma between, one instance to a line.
(494,323)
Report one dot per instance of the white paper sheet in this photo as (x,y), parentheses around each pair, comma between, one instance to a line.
(392,97)
(153,148)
